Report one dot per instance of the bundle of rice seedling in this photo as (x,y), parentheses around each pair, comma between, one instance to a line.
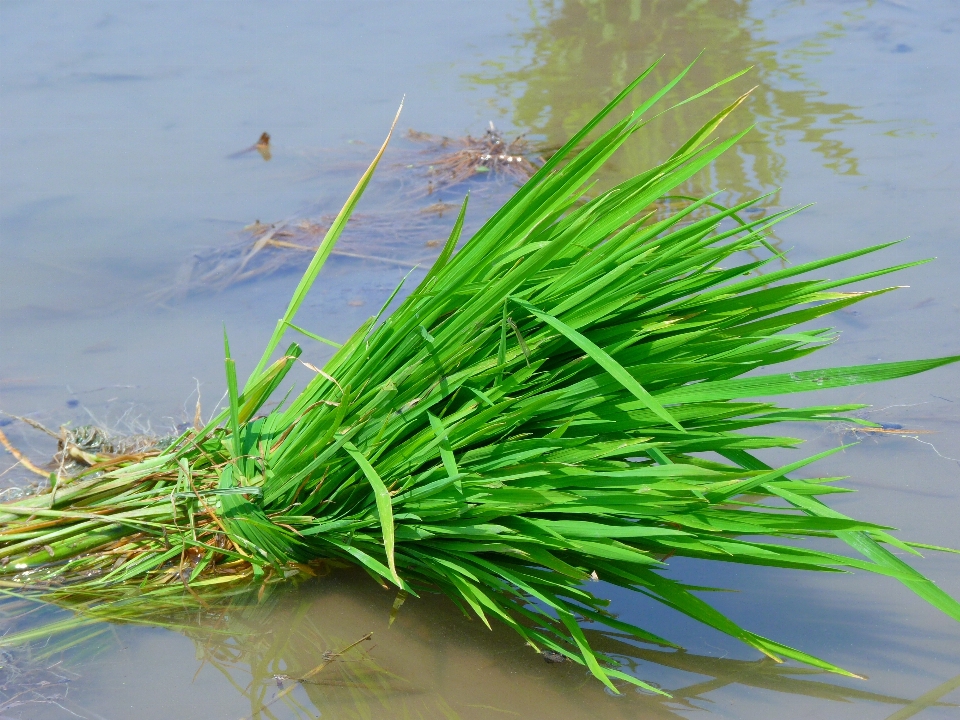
(537,413)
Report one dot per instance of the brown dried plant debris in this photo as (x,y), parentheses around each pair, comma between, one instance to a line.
(89,446)
(393,237)
(458,159)
(404,234)
(263,146)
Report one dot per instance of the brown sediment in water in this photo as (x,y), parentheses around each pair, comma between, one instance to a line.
(284,641)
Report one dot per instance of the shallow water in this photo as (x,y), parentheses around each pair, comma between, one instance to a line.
(118,122)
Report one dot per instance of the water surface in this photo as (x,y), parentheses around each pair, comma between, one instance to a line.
(118,124)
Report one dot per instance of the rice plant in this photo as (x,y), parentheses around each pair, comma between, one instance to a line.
(534,415)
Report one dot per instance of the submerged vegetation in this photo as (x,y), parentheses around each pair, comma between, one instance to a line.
(561,400)
(438,166)
(38,673)
(460,159)
(261,249)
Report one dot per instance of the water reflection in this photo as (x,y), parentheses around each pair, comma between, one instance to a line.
(573,55)
(329,649)
(432,663)
(579,51)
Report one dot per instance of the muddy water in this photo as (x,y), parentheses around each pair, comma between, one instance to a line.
(120,124)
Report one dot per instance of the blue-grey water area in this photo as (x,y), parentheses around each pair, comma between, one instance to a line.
(124,182)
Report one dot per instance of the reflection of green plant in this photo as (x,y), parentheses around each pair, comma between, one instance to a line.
(593,43)
(533,415)
(262,644)
(764,674)
(285,640)
(39,673)
(286,634)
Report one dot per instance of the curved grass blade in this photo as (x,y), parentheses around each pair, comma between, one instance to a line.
(599,356)
(384,506)
(320,257)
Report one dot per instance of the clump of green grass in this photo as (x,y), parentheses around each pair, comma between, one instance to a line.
(536,413)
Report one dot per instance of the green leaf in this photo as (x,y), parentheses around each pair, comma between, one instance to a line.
(234,399)
(599,356)
(800,381)
(384,506)
(320,257)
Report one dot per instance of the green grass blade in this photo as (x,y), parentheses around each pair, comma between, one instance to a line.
(234,397)
(599,356)
(384,506)
(801,381)
(320,257)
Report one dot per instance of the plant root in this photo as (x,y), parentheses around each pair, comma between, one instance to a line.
(21,458)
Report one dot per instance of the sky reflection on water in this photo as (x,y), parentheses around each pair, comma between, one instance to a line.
(118,121)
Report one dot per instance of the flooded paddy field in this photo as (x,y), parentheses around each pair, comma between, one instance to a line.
(134,226)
